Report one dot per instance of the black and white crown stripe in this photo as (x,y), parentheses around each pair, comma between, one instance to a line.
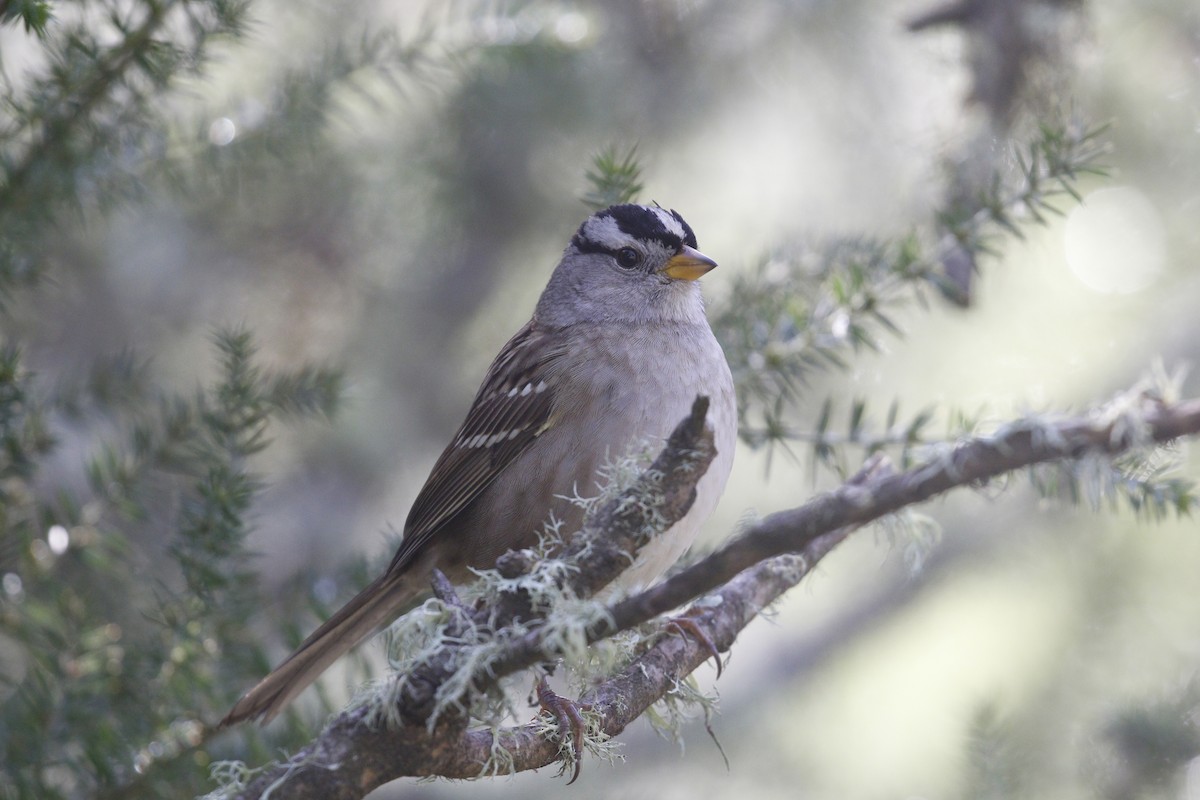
(612,229)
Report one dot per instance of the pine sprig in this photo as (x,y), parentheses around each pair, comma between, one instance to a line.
(615,177)
(806,311)
(903,440)
(80,129)
(103,695)
(34,15)
(1047,170)
(309,391)
(1146,482)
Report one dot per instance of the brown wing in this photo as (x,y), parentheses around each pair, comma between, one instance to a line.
(513,407)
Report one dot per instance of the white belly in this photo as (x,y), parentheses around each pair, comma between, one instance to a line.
(656,413)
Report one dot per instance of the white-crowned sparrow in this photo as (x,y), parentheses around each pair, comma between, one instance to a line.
(616,351)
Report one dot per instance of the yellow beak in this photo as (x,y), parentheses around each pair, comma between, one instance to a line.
(688,264)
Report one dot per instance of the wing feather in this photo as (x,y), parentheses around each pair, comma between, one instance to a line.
(513,407)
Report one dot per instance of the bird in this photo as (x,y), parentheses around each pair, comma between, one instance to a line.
(617,349)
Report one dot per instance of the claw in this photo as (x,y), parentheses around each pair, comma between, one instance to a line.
(688,627)
(566,714)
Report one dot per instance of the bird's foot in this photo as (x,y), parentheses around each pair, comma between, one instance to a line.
(566,714)
(685,625)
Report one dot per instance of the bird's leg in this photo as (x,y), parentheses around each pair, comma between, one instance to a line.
(566,714)
(685,625)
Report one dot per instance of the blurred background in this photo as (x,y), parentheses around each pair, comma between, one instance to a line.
(385,186)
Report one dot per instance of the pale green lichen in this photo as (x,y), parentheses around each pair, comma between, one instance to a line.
(500,759)
(231,777)
(418,636)
(914,533)
(680,704)
(793,566)
(617,477)
(566,620)
(595,741)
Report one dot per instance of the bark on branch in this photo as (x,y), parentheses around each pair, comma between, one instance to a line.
(349,758)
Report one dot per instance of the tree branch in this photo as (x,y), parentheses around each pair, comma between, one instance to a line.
(350,758)
(857,502)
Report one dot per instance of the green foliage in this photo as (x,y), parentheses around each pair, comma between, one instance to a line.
(81,132)
(24,438)
(994,765)
(125,594)
(802,310)
(904,438)
(615,177)
(100,698)
(1046,169)
(310,102)
(33,14)
(1146,479)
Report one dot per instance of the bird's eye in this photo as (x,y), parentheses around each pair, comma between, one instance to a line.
(628,257)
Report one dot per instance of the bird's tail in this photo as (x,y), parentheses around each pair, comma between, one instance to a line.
(380,602)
